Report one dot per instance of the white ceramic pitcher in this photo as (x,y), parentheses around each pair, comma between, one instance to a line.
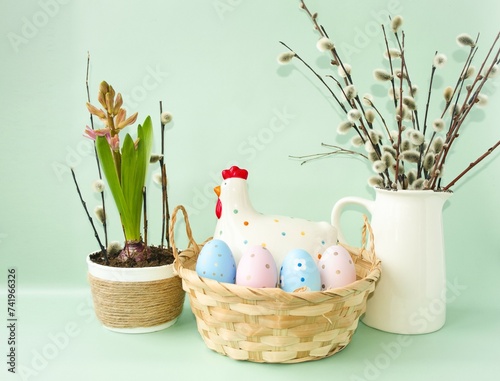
(410,297)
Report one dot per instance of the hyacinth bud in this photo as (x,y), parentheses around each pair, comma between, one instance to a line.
(382,75)
(396,23)
(378,166)
(344,70)
(344,127)
(166,117)
(410,103)
(324,44)
(439,60)
(416,137)
(370,115)
(357,141)
(99,213)
(438,125)
(465,40)
(114,248)
(98,186)
(285,58)
(376,181)
(354,115)
(437,144)
(410,156)
(350,92)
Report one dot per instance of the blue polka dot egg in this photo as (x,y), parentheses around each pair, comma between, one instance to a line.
(299,272)
(216,261)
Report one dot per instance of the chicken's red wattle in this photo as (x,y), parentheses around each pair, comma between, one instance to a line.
(218,208)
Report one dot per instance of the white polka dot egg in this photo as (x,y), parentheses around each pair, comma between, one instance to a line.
(216,261)
(299,272)
(336,268)
(257,268)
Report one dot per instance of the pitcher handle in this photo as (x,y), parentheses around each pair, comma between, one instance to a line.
(338,209)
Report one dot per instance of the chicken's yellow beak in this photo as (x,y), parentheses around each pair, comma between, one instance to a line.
(217,190)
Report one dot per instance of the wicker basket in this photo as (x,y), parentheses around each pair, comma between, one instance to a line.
(271,325)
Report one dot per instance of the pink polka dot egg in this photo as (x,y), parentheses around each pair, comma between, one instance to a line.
(257,268)
(336,268)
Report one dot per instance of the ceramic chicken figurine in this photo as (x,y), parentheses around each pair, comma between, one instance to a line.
(240,226)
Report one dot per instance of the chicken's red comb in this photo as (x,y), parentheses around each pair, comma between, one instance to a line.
(235,171)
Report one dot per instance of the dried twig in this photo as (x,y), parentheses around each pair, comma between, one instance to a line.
(96,235)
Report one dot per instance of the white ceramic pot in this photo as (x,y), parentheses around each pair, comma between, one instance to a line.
(122,293)
(407,225)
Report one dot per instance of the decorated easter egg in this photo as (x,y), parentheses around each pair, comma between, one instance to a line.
(257,268)
(216,261)
(299,272)
(336,268)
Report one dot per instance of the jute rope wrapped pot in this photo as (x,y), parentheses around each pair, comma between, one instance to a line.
(271,325)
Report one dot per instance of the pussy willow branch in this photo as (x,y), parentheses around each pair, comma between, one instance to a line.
(461,78)
(104,223)
(165,209)
(406,74)
(144,208)
(400,119)
(336,151)
(96,235)
(467,106)
(421,148)
(322,32)
(317,75)
(390,66)
(471,165)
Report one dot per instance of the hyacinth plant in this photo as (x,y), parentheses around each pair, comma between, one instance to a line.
(125,168)
(409,148)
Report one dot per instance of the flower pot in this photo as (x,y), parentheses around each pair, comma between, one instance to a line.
(135,300)
(408,230)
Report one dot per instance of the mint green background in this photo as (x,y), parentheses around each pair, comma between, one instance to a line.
(213,64)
